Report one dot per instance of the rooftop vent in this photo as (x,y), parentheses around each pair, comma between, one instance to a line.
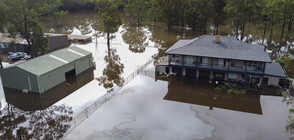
(217,38)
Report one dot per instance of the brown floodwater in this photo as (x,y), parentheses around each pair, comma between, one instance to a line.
(28,113)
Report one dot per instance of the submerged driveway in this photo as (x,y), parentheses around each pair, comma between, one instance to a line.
(139,111)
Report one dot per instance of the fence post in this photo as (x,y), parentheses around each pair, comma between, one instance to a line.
(87,112)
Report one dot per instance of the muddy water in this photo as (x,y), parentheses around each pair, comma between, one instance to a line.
(155,109)
(131,43)
(159,33)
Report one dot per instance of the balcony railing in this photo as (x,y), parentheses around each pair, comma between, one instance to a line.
(218,67)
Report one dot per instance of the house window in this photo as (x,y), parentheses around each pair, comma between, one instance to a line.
(252,64)
(204,60)
(189,60)
(221,62)
(232,64)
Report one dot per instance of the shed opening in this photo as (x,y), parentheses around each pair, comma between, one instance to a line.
(70,77)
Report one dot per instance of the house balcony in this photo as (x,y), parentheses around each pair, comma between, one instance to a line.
(209,66)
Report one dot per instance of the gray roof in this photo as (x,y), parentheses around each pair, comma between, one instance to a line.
(228,48)
(274,69)
(51,61)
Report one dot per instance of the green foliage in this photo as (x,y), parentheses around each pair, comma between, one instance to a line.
(289,67)
(137,9)
(39,41)
(153,11)
(112,72)
(228,88)
(50,123)
(110,17)
(282,62)
(136,38)
(57,15)
(168,11)
(2,18)
(23,18)
(77,5)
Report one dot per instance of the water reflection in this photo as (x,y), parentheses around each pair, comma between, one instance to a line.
(136,38)
(50,123)
(33,116)
(112,73)
(188,90)
(35,101)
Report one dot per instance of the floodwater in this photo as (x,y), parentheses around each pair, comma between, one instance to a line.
(155,109)
(158,113)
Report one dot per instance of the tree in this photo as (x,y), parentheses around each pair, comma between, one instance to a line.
(110,17)
(136,38)
(138,9)
(219,14)
(2,18)
(168,12)
(50,123)
(57,15)
(198,14)
(235,8)
(39,41)
(112,72)
(22,16)
(153,11)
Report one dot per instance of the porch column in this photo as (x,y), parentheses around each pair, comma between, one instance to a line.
(211,75)
(197,73)
(211,62)
(170,70)
(184,72)
(260,81)
(226,76)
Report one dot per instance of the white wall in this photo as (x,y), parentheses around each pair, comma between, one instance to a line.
(272,80)
(160,69)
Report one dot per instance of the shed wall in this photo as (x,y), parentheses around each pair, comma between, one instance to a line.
(54,78)
(17,78)
(57,76)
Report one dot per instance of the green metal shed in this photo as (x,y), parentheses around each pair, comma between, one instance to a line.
(45,72)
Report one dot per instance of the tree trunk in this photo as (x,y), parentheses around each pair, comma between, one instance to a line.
(283,27)
(244,21)
(290,23)
(264,30)
(204,26)
(108,49)
(108,39)
(237,29)
(272,28)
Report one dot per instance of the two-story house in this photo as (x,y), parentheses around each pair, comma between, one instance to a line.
(217,57)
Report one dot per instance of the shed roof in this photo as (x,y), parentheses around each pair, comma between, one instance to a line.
(16,40)
(228,48)
(51,61)
(274,69)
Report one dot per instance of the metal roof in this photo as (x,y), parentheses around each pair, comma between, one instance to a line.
(275,69)
(51,61)
(16,40)
(228,48)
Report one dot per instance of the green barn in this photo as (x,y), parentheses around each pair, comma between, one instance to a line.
(48,71)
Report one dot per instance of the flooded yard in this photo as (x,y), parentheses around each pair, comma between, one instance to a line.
(154,109)
(146,108)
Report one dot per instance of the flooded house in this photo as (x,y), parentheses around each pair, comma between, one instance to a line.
(56,41)
(58,69)
(221,58)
